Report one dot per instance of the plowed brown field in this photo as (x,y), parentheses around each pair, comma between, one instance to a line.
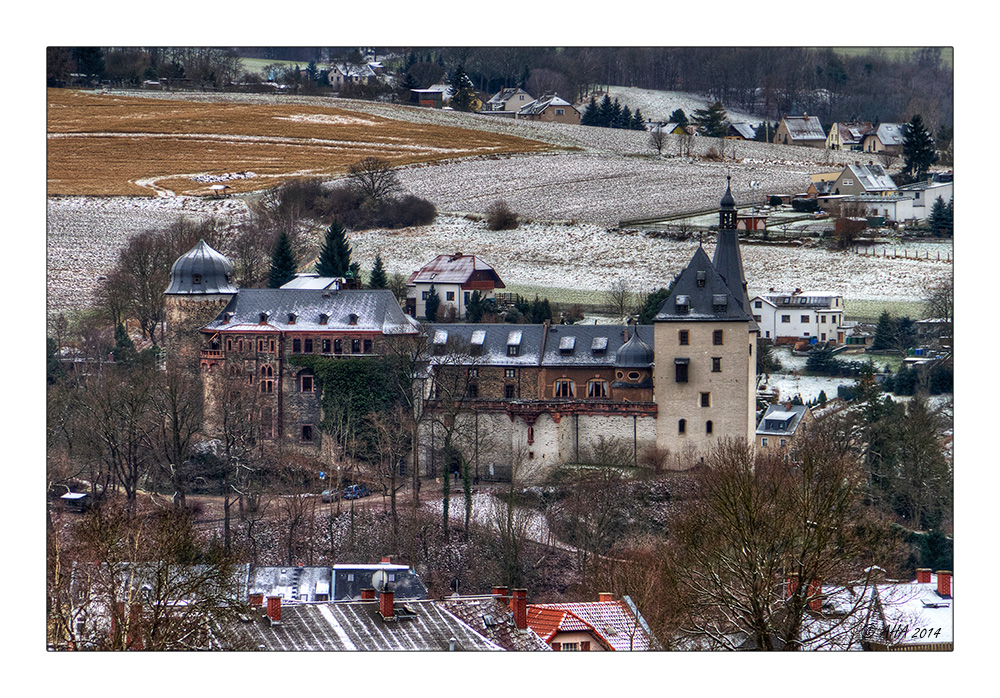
(106,144)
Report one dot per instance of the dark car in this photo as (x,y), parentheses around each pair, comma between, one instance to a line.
(356,492)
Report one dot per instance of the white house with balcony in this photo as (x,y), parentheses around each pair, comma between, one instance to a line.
(454,277)
(787,318)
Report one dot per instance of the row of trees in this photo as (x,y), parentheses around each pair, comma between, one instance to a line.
(610,114)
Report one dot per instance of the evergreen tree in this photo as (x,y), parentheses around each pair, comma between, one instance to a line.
(677,116)
(884,332)
(591,113)
(475,308)
(431,305)
(919,153)
(283,264)
(712,121)
(378,278)
(354,272)
(124,351)
(463,92)
(625,118)
(606,113)
(941,220)
(638,121)
(822,398)
(652,304)
(616,114)
(335,256)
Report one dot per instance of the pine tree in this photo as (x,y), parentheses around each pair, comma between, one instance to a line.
(918,150)
(712,120)
(616,114)
(625,118)
(941,221)
(378,278)
(885,332)
(677,116)
(463,92)
(591,113)
(638,121)
(283,264)
(431,305)
(605,113)
(335,257)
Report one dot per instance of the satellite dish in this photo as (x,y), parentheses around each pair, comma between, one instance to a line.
(379,580)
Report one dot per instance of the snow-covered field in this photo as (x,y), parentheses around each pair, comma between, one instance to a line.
(596,178)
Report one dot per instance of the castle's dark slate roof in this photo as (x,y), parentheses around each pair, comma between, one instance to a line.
(373,311)
(708,297)
(201,271)
(634,353)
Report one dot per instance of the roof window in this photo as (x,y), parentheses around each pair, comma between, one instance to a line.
(683,305)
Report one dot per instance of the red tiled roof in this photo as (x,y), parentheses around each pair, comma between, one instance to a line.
(611,622)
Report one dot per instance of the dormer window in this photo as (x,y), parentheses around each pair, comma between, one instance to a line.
(599,345)
(514,343)
(291,318)
(566,345)
(683,305)
(719,302)
(352,319)
(324,318)
(226,317)
(700,278)
(476,344)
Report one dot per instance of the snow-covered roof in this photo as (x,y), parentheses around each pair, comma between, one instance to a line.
(308,280)
(804,128)
(781,420)
(616,624)
(872,177)
(890,134)
(543,103)
(455,268)
(746,130)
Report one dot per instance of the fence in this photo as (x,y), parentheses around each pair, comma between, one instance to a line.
(894,253)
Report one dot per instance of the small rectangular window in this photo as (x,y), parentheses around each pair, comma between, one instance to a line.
(717,337)
(706,399)
(509,391)
(368,346)
(326,346)
(510,373)
(338,346)
(786,318)
(308,346)
(758,304)
(682,337)
(681,372)
(307,384)
(716,364)
(763,441)
(355,346)
(307,432)
(512,350)
(450,296)
(804,318)
(296,346)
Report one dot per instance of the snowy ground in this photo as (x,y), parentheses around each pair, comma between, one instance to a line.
(483,504)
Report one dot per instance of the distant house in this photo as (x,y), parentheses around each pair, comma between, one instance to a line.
(802,130)
(781,426)
(342,582)
(550,108)
(340,76)
(592,626)
(886,137)
(864,179)
(508,100)
(848,135)
(787,318)
(751,220)
(674,129)
(917,615)
(454,277)
(742,131)
(821,184)
(924,194)
(434,96)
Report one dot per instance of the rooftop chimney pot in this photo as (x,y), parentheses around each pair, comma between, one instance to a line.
(923,575)
(605,596)
(519,605)
(274,609)
(385,604)
(944,583)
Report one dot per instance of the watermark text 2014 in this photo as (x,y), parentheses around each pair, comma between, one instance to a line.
(900,632)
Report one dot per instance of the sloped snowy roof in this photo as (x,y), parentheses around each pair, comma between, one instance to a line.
(781,420)
(872,177)
(455,268)
(491,617)
(890,134)
(613,622)
(543,103)
(699,291)
(805,128)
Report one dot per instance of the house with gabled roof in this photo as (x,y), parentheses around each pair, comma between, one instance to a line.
(741,131)
(858,179)
(781,427)
(802,130)
(509,100)
(885,138)
(343,75)
(604,625)
(455,277)
(848,135)
(550,108)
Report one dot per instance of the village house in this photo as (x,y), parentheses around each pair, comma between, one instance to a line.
(821,183)
(550,108)
(741,131)
(788,318)
(604,625)
(802,130)
(914,616)
(782,427)
(885,138)
(455,278)
(343,75)
(858,179)
(848,135)
(509,100)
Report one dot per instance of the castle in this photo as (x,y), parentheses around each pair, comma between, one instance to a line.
(539,395)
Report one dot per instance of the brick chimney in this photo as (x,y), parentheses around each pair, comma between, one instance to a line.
(256,599)
(944,583)
(519,605)
(387,559)
(791,584)
(923,575)
(274,609)
(499,591)
(815,589)
(385,604)
(605,596)
(367,594)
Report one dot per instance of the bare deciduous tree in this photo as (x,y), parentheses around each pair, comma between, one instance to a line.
(374,177)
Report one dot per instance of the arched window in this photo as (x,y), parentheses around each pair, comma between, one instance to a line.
(266,371)
(708,427)
(681,426)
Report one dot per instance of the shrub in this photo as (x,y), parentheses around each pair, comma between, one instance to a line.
(499,216)
(407,211)
(805,205)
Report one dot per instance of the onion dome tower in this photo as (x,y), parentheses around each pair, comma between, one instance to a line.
(201,285)
(633,369)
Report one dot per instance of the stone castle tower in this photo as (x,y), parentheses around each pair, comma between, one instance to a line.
(705,345)
(201,285)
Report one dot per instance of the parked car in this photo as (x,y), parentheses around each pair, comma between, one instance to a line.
(356,492)
(329,496)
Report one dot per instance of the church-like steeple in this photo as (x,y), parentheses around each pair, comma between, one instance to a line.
(727,259)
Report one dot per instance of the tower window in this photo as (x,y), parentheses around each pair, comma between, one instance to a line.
(681,370)
(716,364)
(307,432)
(681,426)
(708,427)
(706,399)
(717,337)
(196,278)
(682,337)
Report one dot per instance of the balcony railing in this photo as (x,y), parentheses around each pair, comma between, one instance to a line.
(212,354)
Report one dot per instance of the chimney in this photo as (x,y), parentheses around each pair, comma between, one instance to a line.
(923,575)
(791,584)
(788,406)
(815,590)
(519,605)
(944,584)
(604,596)
(386,559)
(256,599)
(274,609)
(499,591)
(385,604)
(368,594)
